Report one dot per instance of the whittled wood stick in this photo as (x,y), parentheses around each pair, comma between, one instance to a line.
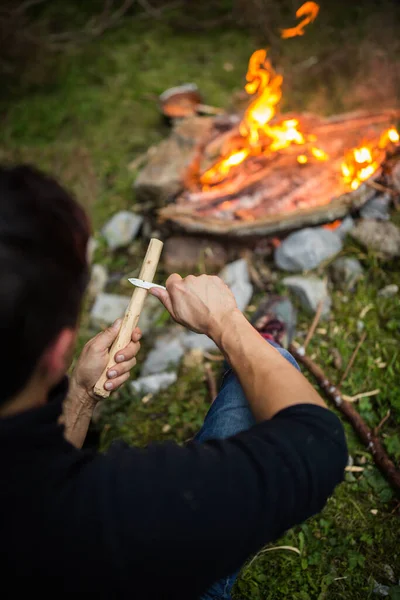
(132,313)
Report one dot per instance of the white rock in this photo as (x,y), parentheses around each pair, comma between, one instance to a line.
(389,291)
(121,229)
(98,280)
(153,383)
(236,276)
(310,291)
(235,271)
(107,308)
(198,341)
(168,351)
(377,208)
(306,249)
(152,310)
(344,228)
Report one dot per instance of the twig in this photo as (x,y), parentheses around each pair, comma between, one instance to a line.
(314,324)
(381,188)
(368,436)
(212,384)
(352,358)
(360,395)
(381,424)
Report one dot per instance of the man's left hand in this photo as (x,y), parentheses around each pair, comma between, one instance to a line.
(94,358)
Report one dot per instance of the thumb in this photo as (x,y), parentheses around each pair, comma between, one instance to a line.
(164,298)
(108,336)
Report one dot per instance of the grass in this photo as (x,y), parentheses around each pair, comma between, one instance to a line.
(99,113)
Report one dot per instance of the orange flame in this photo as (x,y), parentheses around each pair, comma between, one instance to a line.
(360,163)
(310,10)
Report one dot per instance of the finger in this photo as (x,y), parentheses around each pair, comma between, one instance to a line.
(127,353)
(165,298)
(136,334)
(172,279)
(118,370)
(114,384)
(104,339)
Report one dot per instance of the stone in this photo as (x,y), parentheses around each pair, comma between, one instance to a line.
(121,229)
(98,280)
(306,249)
(377,208)
(152,310)
(380,236)
(310,291)
(237,278)
(198,341)
(108,308)
(188,253)
(346,272)
(152,384)
(163,176)
(389,291)
(167,352)
(344,228)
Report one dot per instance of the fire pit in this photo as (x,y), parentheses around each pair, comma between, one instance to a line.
(262,173)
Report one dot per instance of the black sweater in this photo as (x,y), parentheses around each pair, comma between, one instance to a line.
(160,523)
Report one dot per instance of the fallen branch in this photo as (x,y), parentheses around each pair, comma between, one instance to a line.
(314,324)
(367,435)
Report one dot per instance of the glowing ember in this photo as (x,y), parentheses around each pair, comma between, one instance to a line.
(222,167)
(302,159)
(308,10)
(319,154)
(393,135)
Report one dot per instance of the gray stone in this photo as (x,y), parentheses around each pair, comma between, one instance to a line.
(152,384)
(236,276)
(345,272)
(377,208)
(306,249)
(98,280)
(389,291)
(380,589)
(380,236)
(152,310)
(121,229)
(344,228)
(167,352)
(188,253)
(198,341)
(310,291)
(107,308)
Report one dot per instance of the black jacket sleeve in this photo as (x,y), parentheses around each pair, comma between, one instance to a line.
(195,513)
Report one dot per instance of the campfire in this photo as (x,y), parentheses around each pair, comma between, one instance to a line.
(265,172)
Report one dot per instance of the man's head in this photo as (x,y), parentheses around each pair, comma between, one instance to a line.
(43,269)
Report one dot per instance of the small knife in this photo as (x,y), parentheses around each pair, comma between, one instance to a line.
(146,285)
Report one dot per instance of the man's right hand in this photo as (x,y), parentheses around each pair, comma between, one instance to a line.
(203,304)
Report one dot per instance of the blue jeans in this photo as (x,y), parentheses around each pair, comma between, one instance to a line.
(229,414)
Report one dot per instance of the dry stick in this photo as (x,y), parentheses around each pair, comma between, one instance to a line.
(382,188)
(381,424)
(314,324)
(132,313)
(352,359)
(212,384)
(368,436)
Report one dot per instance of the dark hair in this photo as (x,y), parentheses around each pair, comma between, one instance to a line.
(43,269)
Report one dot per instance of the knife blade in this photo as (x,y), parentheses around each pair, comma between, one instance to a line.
(146,285)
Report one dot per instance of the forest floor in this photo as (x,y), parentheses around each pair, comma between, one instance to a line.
(86,126)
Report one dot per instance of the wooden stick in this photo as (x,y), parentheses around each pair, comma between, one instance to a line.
(212,384)
(132,313)
(353,358)
(314,323)
(367,435)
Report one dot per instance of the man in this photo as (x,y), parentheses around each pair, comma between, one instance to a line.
(167,522)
